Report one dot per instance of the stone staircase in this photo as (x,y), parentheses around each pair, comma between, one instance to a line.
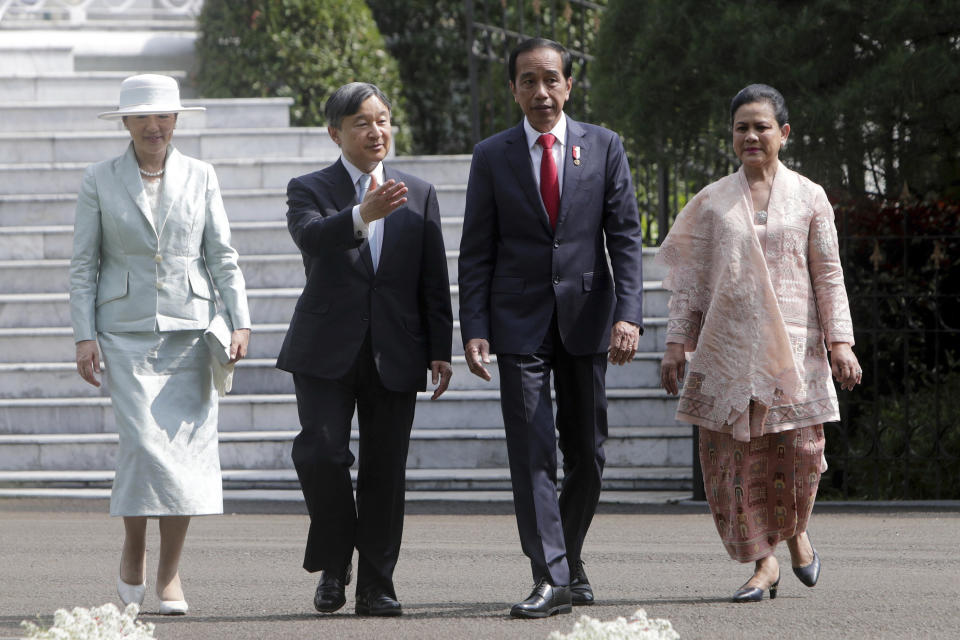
(57,435)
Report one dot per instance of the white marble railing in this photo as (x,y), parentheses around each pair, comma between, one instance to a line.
(79,10)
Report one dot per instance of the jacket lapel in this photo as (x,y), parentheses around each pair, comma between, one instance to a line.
(518,156)
(129,172)
(572,172)
(390,223)
(174,180)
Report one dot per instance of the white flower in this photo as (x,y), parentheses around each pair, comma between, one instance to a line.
(99,623)
(638,627)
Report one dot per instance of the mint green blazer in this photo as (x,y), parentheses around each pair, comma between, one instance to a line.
(127,275)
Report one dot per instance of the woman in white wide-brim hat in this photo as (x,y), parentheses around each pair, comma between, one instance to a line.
(151,249)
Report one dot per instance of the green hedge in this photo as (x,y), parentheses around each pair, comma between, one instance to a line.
(303,49)
(428,39)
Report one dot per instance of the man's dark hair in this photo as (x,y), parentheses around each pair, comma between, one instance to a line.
(539,43)
(346,101)
(761,93)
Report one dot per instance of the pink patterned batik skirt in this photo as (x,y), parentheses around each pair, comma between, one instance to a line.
(761,492)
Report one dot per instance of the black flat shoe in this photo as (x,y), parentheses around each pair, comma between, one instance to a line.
(376,602)
(544,601)
(755,594)
(330,594)
(581,593)
(811,573)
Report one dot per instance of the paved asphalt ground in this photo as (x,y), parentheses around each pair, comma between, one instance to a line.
(887,573)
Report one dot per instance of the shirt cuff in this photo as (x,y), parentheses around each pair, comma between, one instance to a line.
(361,230)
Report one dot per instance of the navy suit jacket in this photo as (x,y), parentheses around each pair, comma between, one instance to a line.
(405,304)
(514,270)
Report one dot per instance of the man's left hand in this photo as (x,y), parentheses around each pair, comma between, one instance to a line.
(624,338)
(442,372)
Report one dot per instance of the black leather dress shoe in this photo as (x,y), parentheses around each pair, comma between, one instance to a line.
(544,601)
(330,594)
(376,602)
(581,593)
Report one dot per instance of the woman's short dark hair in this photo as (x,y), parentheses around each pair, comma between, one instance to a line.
(761,93)
(346,101)
(539,43)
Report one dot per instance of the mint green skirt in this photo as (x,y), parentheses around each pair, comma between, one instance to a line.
(165,405)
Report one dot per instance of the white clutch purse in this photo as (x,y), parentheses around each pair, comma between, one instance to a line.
(218,336)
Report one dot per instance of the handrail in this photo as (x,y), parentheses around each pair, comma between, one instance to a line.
(78,10)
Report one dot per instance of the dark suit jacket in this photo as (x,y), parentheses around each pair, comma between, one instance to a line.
(515,270)
(405,305)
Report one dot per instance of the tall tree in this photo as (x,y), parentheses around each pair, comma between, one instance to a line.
(873,86)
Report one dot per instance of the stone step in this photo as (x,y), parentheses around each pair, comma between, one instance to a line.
(456,409)
(54,344)
(55,242)
(261,271)
(234,173)
(267,306)
(51,58)
(249,238)
(58,148)
(142,47)
(451,479)
(224,113)
(260,375)
(20,86)
(242,205)
(429,449)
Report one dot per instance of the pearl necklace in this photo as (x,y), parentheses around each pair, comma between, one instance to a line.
(152,174)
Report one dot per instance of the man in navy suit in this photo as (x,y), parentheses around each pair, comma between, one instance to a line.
(535,288)
(373,319)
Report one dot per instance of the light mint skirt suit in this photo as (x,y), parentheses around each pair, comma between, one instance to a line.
(143,283)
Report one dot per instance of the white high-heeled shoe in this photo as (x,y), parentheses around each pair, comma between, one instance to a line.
(131,593)
(173,607)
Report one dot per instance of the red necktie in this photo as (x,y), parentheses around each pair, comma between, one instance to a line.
(549,184)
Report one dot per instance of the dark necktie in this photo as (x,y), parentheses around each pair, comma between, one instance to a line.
(549,184)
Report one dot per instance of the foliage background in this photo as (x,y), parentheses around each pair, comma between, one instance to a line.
(303,49)
(873,86)
(428,39)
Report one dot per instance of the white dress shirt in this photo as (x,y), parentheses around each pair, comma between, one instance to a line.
(373,232)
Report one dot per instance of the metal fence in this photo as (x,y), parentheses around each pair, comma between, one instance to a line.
(899,436)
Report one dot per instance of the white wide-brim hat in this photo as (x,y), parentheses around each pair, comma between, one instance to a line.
(148,94)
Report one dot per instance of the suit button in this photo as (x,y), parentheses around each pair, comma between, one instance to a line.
(556,279)
(556,245)
(159,286)
(158,258)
